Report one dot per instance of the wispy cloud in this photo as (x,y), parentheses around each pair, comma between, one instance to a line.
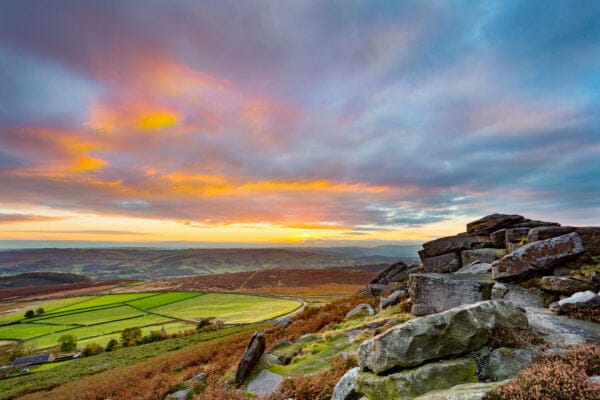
(309,114)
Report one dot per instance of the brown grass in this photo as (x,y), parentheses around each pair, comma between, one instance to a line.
(504,336)
(310,282)
(556,378)
(591,314)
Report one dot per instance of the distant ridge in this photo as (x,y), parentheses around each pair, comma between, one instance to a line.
(150,264)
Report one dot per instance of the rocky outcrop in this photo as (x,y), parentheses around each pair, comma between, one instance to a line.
(449,333)
(564,286)
(538,256)
(492,223)
(414,382)
(345,389)
(481,256)
(392,299)
(359,309)
(432,293)
(450,244)
(255,349)
(445,263)
(397,272)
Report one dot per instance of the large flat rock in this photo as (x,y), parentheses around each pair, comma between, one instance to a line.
(449,333)
(449,244)
(538,256)
(492,223)
(414,382)
(445,263)
(543,321)
(590,235)
(433,293)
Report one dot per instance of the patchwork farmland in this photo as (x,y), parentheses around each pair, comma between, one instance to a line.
(101,318)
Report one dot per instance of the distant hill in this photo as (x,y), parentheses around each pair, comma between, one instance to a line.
(149,264)
(40,279)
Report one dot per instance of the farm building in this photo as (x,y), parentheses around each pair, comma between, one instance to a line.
(21,362)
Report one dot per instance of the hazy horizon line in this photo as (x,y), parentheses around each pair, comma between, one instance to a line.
(182,245)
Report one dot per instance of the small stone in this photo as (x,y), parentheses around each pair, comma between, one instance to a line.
(565,286)
(284,322)
(581,299)
(360,309)
(392,299)
(345,389)
(265,383)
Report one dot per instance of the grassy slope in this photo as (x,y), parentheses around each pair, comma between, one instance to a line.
(73,370)
(102,318)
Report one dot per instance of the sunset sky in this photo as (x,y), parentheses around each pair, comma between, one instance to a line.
(294,122)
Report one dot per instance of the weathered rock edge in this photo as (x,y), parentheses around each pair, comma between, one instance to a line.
(449,333)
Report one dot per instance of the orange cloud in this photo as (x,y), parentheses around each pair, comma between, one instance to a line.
(157,120)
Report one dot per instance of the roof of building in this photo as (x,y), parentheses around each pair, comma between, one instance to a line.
(31,360)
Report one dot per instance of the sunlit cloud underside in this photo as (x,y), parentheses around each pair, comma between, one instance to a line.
(294,122)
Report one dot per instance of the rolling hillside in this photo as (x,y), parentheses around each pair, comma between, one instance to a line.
(154,264)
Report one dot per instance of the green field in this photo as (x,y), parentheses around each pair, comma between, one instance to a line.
(161,299)
(103,317)
(229,308)
(107,299)
(28,331)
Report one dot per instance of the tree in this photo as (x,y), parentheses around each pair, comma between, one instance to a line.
(91,349)
(67,343)
(131,336)
(29,314)
(112,344)
(40,311)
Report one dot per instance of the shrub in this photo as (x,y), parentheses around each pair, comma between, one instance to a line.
(504,336)
(40,311)
(29,314)
(556,377)
(67,343)
(131,336)
(591,314)
(154,336)
(112,344)
(91,349)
